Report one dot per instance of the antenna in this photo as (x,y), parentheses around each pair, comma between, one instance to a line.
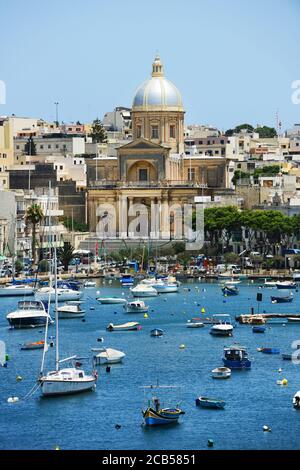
(278,123)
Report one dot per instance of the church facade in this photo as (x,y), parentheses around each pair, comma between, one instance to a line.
(152,168)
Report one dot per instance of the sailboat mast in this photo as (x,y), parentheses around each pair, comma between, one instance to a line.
(56,311)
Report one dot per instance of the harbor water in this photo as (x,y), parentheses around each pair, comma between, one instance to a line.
(88,421)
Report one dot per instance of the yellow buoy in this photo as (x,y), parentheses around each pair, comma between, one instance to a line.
(19,378)
(202,310)
(145,315)
(284,382)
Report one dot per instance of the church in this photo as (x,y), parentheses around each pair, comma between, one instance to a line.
(153,168)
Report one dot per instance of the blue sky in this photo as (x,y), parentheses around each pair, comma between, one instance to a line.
(233,60)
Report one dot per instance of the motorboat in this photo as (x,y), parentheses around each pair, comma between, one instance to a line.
(154,414)
(143,290)
(281,299)
(296,400)
(156,332)
(29,314)
(16,290)
(129,326)
(236,357)
(34,345)
(108,356)
(230,290)
(213,403)
(232,282)
(258,329)
(286,285)
(162,285)
(111,300)
(70,311)
(221,373)
(287,356)
(136,306)
(222,325)
(46,294)
(127,280)
(89,284)
(296,276)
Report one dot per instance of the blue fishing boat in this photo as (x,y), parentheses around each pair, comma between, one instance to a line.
(155,415)
(258,329)
(236,357)
(230,290)
(213,403)
(269,350)
(286,356)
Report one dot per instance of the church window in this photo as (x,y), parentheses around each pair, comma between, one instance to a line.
(172,131)
(138,131)
(143,174)
(154,132)
(191,174)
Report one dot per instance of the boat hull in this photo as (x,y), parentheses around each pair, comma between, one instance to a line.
(61,296)
(165,289)
(16,292)
(66,315)
(163,417)
(29,322)
(51,388)
(243,364)
(210,404)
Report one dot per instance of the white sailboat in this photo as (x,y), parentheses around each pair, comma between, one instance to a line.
(68,380)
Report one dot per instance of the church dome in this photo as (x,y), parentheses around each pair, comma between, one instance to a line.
(157,93)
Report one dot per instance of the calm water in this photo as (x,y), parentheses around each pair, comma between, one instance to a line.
(87,421)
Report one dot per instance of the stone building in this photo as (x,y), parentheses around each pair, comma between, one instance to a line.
(152,168)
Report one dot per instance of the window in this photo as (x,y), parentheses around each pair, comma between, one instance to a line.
(138,131)
(61,167)
(18,147)
(172,131)
(49,146)
(222,142)
(191,174)
(41,146)
(154,132)
(56,146)
(143,174)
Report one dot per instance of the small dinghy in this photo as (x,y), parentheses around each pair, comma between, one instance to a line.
(286,285)
(108,356)
(221,373)
(194,324)
(286,356)
(269,350)
(258,329)
(293,320)
(70,311)
(156,332)
(230,290)
(136,306)
(111,300)
(35,345)
(89,284)
(129,326)
(281,299)
(213,403)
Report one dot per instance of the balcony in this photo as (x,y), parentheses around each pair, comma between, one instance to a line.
(110,184)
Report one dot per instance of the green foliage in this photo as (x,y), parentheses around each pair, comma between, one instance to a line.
(77,226)
(98,132)
(231,258)
(239,175)
(66,254)
(18,266)
(266,132)
(269,170)
(238,129)
(44,266)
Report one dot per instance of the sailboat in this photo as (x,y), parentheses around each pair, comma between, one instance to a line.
(67,380)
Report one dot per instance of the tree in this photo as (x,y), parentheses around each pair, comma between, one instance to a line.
(66,254)
(18,266)
(98,133)
(30,147)
(266,132)
(77,226)
(238,129)
(34,216)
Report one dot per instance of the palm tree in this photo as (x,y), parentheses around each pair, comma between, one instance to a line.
(34,216)
(66,254)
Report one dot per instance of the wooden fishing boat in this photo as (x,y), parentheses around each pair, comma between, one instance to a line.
(286,356)
(154,414)
(194,324)
(281,299)
(230,290)
(213,403)
(236,357)
(35,345)
(293,320)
